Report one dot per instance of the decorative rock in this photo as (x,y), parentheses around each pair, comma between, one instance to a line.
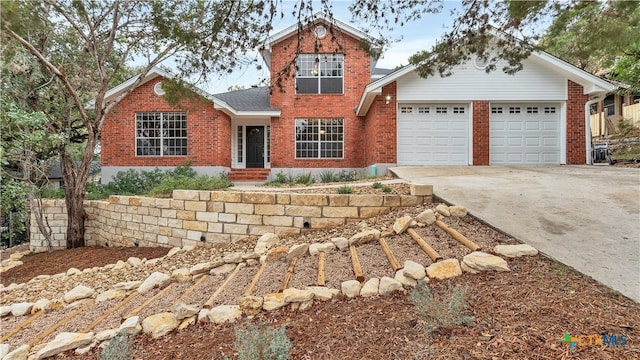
(458,211)
(304,305)
(188,248)
(273,301)
(63,342)
(106,334)
(73,272)
(513,251)
(404,280)
(173,251)
(84,350)
(297,251)
(159,325)
(121,265)
(78,293)
(341,242)
(364,237)
(203,315)
(292,295)
(5,310)
(223,269)
(188,322)
(252,262)
(427,217)
(40,305)
(181,275)
(251,305)
(466,268)
(131,326)
(4,350)
(110,295)
(182,311)
(57,304)
(232,258)
(20,353)
(224,313)
(389,285)
(200,268)
(402,224)
(481,261)
(443,210)
(134,261)
(322,293)
(413,270)
(370,287)
(128,285)
(23,308)
(266,242)
(350,288)
(277,253)
(157,279)
(315,248)
(444,269)
(154,261)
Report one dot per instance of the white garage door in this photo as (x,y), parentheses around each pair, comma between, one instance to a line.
(525,134)
(433,134)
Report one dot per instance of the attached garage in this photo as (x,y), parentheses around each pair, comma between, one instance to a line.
(525,134)
(433,134)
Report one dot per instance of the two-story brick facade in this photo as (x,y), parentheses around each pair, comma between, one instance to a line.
(335,110)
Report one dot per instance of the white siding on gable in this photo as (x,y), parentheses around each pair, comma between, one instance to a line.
(533,83)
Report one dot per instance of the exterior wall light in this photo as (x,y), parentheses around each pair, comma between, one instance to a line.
(387,98)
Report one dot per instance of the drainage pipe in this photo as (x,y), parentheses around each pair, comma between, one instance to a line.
(587,120)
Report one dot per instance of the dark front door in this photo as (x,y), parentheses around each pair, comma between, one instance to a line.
(255,146)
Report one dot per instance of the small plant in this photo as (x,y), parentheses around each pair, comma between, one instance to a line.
(202,182)
(345,190)
(442,311)
(51,193)
(255,342)
(345,175)
(327,176)
(376,185)
(306,179)
(386,189)
(119,348)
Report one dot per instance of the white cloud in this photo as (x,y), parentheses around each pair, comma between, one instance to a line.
(399,53)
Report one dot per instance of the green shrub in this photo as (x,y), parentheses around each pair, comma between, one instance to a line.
(119,348)
(97,191)
(128,182)
(345,175)
(376,185)
(202,182)
(441,311)
(386,189)
(254,342)
(51,193)
(306,179)
(345,190)
(327,176)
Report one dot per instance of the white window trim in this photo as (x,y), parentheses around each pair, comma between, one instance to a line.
(319,77)
(162,138)
(295,142)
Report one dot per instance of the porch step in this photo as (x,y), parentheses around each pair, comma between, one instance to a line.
(249,174)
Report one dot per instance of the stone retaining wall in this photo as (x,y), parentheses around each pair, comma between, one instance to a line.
(216,218)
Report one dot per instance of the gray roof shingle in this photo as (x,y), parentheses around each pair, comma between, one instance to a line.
(252,99)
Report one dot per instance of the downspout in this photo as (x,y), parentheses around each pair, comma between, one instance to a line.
(587,119)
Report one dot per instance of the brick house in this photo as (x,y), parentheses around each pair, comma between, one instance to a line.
(338,111)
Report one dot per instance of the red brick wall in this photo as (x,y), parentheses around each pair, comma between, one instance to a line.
(208,132)
(480,132)
(356,77)
(576,131)
(380,129)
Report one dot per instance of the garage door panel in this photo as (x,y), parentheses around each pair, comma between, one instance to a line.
(531,135)
(439,136)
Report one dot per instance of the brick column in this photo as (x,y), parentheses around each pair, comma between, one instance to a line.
(480,133)
(576,131)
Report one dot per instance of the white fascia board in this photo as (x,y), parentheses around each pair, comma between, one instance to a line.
(592,84)
(227,109)
(375,88)
(152,74)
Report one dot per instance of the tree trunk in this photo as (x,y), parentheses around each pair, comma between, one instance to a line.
(75,180)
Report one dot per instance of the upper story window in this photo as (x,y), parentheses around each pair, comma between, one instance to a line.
(319,73)
(161,134)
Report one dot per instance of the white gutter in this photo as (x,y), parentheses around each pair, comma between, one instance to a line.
(587,120)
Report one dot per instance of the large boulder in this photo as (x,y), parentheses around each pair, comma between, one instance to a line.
(266,242)
(427,217)
(23,308)
(364,237)
(63,342)
(224,313)
(341,242)
(251,305)
(322,293)
(402,224)
(404,280)
(443,210)
(351,288)
(131,326)
(273,301)
(481,261)
(20,353)
(444,269)
(413,270)
(315,248)
(292,295)
(370,287)
(297,251)
(78,293)
(182,311)
(458,211)
(157,279)
(160,324)
(513,251)
(389,285)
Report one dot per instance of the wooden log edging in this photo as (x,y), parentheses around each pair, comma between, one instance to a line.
(209,303)
(57,325)
(21,326)
(111,311)
(459,237)
(137,310)
(255,279)
(357,267)
(321,273)
(435,257)
(289,274)
(393,260)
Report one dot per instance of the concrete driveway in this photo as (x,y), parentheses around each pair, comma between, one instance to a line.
(587,217)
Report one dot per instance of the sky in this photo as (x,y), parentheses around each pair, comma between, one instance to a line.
(415,36)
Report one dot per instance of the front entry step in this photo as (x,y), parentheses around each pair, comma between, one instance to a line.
(249,174)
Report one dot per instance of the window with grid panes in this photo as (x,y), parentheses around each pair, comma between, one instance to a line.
(319,73)
(319,138)
(161,134)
